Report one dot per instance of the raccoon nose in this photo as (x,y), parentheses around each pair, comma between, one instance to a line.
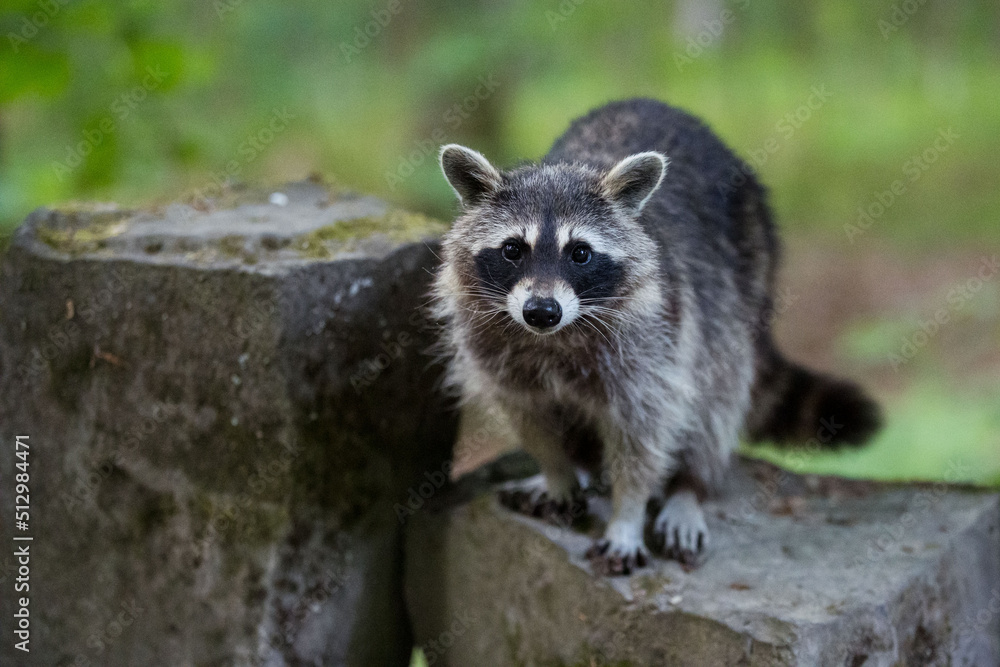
(542,313)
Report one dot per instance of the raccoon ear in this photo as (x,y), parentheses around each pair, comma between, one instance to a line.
(470,174)
(634,180)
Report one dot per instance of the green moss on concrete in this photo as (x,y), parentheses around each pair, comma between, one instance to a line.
(232,245)
(396,225)
(66,233)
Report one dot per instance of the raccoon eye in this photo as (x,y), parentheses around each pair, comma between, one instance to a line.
(511,251)
(581,254)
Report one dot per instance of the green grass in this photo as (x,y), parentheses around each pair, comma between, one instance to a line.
(931,433)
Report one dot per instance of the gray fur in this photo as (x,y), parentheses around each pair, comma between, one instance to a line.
(661,372)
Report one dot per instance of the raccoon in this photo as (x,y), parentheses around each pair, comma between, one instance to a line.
(615,301)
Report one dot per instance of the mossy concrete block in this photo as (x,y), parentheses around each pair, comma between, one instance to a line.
(224,402)
(803,571)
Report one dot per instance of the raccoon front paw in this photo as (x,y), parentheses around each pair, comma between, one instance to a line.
(533,498)
(610,558)
(680,531)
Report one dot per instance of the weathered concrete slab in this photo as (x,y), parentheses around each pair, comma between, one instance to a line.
(224,402)
(804,571)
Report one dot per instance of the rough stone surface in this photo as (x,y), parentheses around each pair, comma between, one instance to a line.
(804,571)
(224,402)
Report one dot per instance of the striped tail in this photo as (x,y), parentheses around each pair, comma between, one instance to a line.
(791,404)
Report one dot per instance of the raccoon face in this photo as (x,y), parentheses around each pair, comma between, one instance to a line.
(548,245)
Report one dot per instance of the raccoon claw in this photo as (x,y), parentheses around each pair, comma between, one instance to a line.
(680,532)
(689,559)
(540,505)
(681,544)
(613,561)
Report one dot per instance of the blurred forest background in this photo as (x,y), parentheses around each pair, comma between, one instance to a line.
(875,125)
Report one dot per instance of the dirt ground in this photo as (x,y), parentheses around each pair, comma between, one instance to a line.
(843,287)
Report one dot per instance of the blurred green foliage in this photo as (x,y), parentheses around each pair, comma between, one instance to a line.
(142,101)
(371,84)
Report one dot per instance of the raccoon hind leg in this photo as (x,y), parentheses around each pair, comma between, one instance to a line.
(679,530)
